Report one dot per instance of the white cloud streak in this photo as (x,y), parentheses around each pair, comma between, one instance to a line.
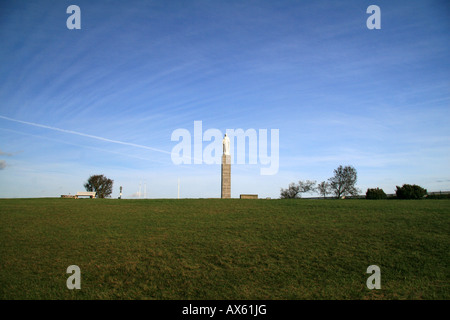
(85,135)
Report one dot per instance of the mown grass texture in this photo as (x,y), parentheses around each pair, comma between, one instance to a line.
(224,248)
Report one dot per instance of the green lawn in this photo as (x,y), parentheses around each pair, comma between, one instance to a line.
(224,249)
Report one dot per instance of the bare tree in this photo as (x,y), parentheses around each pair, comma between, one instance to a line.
(295,190)
(307,186)
(292,192)
(323,188)
(343,182)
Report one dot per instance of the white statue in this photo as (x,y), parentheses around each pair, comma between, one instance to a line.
(226,145)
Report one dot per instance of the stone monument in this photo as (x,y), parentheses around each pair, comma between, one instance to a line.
(226,169)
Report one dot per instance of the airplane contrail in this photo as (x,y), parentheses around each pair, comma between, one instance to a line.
(85,135)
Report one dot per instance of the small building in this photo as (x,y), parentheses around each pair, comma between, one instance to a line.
(249,196)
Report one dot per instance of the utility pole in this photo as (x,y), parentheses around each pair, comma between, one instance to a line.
(145,189)
(139,193)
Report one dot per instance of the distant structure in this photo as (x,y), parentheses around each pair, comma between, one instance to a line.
(145,189)
(249,196)
(80,194)
(120,196)
(140,188)
(226,169)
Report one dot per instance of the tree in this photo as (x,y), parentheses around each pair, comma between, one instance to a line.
(343,182)
(294,191)
(408,191)
(306,186)
(100,184)
(291,192)
(375,194)
(323,188)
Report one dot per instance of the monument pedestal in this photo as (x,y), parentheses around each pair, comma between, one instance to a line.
(226,177)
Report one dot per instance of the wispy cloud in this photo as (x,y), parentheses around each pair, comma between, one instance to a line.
(338,92)
(2,153)
(3,163)
(86,135)
(82,146)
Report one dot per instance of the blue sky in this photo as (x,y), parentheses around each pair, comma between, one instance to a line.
(105,99)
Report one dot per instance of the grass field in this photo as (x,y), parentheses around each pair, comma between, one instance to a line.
(224,249)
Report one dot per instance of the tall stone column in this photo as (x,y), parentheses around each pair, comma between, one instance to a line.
(226,177)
